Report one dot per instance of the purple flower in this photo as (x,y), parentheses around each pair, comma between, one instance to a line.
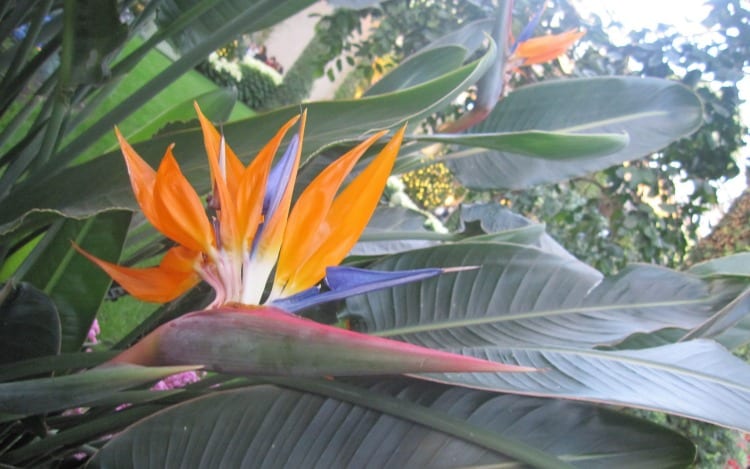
(178,380)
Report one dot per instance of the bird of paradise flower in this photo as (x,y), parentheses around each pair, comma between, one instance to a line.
(254,238)
(527,50)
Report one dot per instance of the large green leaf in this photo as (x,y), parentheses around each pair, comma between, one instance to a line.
(698,379)
(525,295)
(736,265)
(395,229)
(420,68)
(724,319)
(548,145)
(737,336)
(652,112)
(471,36)
(154,117)
(38,396)
(30,324)
(392,424)
(61,363)
(398,229)
(75,284)
(501,224)
(102,184)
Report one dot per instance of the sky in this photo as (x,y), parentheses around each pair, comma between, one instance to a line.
(636,14)
(686,16)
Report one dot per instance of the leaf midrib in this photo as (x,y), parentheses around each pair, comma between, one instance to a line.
(466,322)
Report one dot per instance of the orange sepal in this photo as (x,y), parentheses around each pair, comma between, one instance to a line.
(142,178)
(224,180)
(348,217)
(212,142)
(179,210)
(545,48)
(174,276)
(252,186)
(306,228)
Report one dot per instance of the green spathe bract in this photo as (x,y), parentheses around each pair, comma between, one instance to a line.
(263,340)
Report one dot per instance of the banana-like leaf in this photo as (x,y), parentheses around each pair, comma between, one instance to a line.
(471,36)
(503,225)
(391,424)
(736,265)
(555,146)
(698,379)
(102,184)
(154,117)
(30,324)
(398,229)
(737,336)
(39,396)
(524,295)
(724,319)
(395,229)
(652,112)
(61,363)
(419,69)
(76,285)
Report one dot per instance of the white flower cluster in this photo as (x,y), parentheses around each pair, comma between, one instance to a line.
(264,68)
(220,64)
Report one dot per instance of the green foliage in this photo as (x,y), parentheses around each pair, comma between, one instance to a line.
(607,226)
(423,423)
(403,28)
(31,323)
(645,337)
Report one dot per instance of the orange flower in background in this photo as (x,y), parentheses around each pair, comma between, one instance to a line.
(528,50)
(247,234)
(542,49)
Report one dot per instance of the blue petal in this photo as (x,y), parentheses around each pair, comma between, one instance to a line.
(278,180)
(349,281)
(290,303)
(528,31)
(279,177)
